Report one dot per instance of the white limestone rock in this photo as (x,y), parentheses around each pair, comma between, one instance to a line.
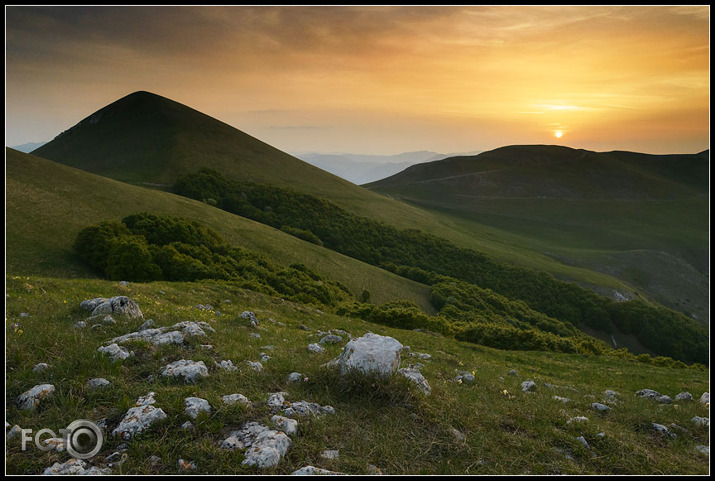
(97,382)
(287,425)
(264,447)
(701,422)
(31,398)
(313,471)
(417,378)
(191,371)
(236,399)
(139,418)
(316,348)
(528,386)
(196,405)
(371,354)
(74,466)
(705,398)
(684,396)
(41,366)
(114,305)
(226,365)
(115,352)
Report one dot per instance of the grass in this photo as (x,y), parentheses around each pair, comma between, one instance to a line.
(385,423)
(47,204)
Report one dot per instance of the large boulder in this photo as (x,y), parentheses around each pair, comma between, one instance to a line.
(113,305)
(370,354)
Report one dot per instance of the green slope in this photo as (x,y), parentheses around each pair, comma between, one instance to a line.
(641,218)
(48,203)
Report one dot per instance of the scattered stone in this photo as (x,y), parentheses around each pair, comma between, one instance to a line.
(577,419)
(264,357)
(147,325)
(195,405)
(114,305)
(256,366)
(562,399)
(97,383)
(663,430)
(268,348)
(374,470)
(583,441)
(108,320)
(421,355)
(418,379)
(527,386)
(123,283)
(330,454)
(458,436)
(188,424)
(154,460)
(370,354)
(304,408)
(74,466)
(277,400)
(267,447)
(80,325)
(255,335)
(611,395)
(251,317)
(648,393)
(304,327)
(701,422)
(226,365)
(513,372)
(317,348)
(331,339)
(54,444)
(31,398)
(295,377)
(235,398)
(600,407)
(464,377)
(167,335)
(663,399)
(313,471)
(206,346)
(684,396)
(705,398)
(190,370)
(703,449)
(13,433)
(288,425)
(39,367)
(24,314)
(115,352)
(185,465)
(139,418)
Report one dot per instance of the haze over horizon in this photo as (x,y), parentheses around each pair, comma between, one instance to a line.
(376,80)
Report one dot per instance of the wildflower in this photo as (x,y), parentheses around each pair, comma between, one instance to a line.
(474,373)
(459,381)
(65,301)
(305,379)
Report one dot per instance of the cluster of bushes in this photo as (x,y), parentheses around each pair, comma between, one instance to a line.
(145,247)
(424,258)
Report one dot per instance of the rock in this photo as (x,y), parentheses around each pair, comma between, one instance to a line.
(154,460)
(148,324)
(277,400)
(648,393)
(235,398)
(701,422)
(145,400)
(250,316)
(304,408)
(264,447)
(458,435)
(705,398)
(114,305)
(190,370)
(115,352)
(577,419)
(317,348)
(331,339)
(108,320)
(31,398)
(528,386)
(185,465)
(583,441)
(513,372)
(663,399)
(188,425)
(264,357)
(13,433)
(24,314)
(97,383)
(313,471)
(80,325)
(562,399)
(703,449)
(659,428)
(256,366)
(684,396)
(39,367)
(330,454)
(611,394)
(226,365)
(464,377)
(600,407)
(371,354)
(166,335)
(417,378)
(195,405)
(206,346)
(254,335)
(74,466)
(54,444)
(295,377)
(138,419)
(288,425)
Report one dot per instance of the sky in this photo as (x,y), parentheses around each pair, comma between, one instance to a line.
(376,80)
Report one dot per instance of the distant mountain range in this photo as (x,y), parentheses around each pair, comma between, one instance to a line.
(362,169)
(28,147)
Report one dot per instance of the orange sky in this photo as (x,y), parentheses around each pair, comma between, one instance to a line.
(379,80)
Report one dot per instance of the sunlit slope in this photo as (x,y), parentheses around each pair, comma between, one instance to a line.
(641,218)
(48,203)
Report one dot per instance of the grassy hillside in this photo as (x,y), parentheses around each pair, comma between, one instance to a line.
(147,139)
(640,218)
(47,204)
(486,427)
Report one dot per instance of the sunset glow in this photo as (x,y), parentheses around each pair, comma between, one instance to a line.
(376,79)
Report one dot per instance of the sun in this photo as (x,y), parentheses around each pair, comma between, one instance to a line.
(558,134)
